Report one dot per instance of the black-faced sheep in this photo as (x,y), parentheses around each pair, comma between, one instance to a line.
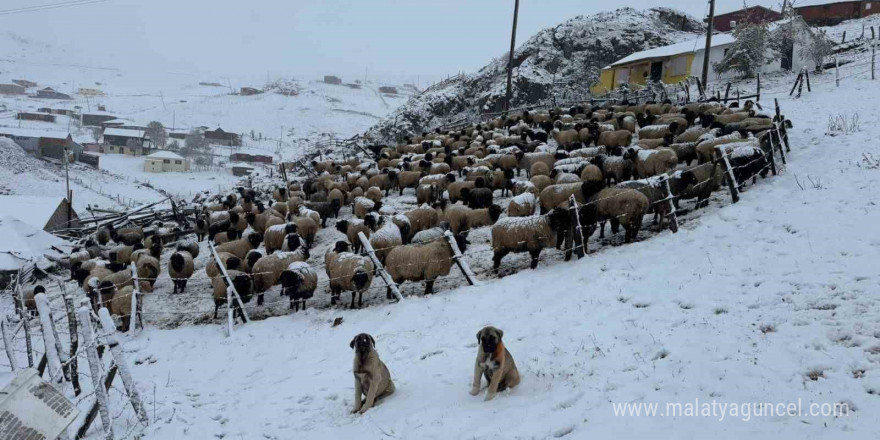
(554,195)
(527,234)
(240,247)
(624,207)
(523,205)
(386,237)
(180,269)
(347,272)
(273,239)
(298,282)
(422,262)
(649,163)
(478,197)
(267,270)
(243,286)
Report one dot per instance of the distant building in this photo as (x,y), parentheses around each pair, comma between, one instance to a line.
(388,90)
(84,91)
(95,119)
(332,79)
(43,142)
(754,15)
(50,93)
(241,170)
(249,91)
(46,213)
(35,116)
(353,85)
(210,84)
(832,12)
(221,137)
(24,83)
(57,111)
(165,162)
(125,141)
(250,158)
(177,134)
(12,89)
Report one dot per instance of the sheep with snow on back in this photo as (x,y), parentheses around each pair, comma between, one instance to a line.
(650,163)
(148,269)
(180,269)
(554,195)
(267,270)
(303,211)
(418,219)
(539,169)
(273,239)
(211,268)
(307,228)
(259,222)
(659,131)
(385,181)
(427,193)
(691,135)
(478,197)
(523,205)
(422,262)
(748,162)
(351,228)
(618,138)
(243,286)
(385,238)
(347,272)
(363,206)
(325,209)
(120,305)
(240,247)
(706,147)
(432,234)
(456,190)
(374,193)
(527,234)
(280,194)
(298,282)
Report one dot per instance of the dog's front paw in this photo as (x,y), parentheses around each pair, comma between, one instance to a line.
(362,411)
(490,396)
(475,391)
(356,410)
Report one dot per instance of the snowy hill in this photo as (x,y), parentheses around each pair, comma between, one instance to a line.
(559,61)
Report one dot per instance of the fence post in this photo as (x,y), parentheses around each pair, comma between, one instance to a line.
(837,69)
(379,268)
(135,294)
(726,93)
(74,340)
(89,343)
(673,215)
(779,142)
(772,153)
(873,55)
(7,343)
(721,156)
(576,231)
(780,118)
(807,76)
(24,319)
(796,82)
(758,97)
(801,84)
(109,330)
(459,260)
(231,293)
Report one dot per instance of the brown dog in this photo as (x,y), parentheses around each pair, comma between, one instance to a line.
(494,362)
(371,377)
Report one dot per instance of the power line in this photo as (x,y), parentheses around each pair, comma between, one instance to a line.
(50,6)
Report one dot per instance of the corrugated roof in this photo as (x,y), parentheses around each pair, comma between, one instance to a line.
(676,49)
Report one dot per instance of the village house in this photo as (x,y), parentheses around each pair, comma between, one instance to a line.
(332,79)
(50,93)
(95,119)
(388,90)
(24,83)
(250,158)
(12,89)
(221,137)
(165,161)
(728,21)
(676,62)
(126,141)
(249,91)
(85,91)
(57,111)
(241,170)
(35,116)
(24,246)
(43,143)
(832,12)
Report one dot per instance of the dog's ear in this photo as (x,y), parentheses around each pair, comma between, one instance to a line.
(500,333)
(352,342)
(478,336)
(372,341)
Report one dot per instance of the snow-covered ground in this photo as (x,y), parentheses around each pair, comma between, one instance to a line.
(772,300)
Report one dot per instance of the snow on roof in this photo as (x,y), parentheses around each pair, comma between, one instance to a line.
(808,3)
(164,154)
(33,210)
(677,49)
(22,242)
(124,132)
(32,132)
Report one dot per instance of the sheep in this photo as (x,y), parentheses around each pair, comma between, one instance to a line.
(374,193)
(560,178)
(103,234)
(422,262)
(385,238)
(201,229)
(523,205)
(553,195)
(119,279)
(325,209)
(650,163)
(479,196)
(121,254)
(259,222)
(419,219)
(180,269)
(748,161)
(29,295)
(611,139)
(527,234)
(588,153)
(298,282)
(653,144)
(540,182)
(226,236)
(148,269)
(363,206)
(565,138)
(686,152)
(385,181)
(243,286)
(280,194)
(351,228)
(120,305)
(462,219)
(614,168)
(211,268)
(454,190)
(524,186)
(526,160)
(240,247)
(706,148)
(691,135)
(539,169)
(280,207)
(592,173)
(619,206)
(699,183)
(273,239)
(267,270)
(654,190)
(307,228)
(627,122)
(659,131)
(408,179)
(306,212)
(336,197)
(347,272)
(432,234)
(128,236)
(250,259)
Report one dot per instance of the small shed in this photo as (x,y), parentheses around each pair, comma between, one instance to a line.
(125,141)
(332,79)
(44,213)
(35,116)
(95,119)
(50,93)
(249,91)
(23,243)
(241,170)
(389,90)
(221,137)
(164,162)
(728,21)
(12,89)
(86,91)
(24,83)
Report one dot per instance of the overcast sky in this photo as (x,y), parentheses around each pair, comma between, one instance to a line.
(403,38)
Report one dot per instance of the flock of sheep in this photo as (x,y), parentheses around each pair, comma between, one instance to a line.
(513,176)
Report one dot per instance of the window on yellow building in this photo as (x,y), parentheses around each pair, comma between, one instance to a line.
(677,66)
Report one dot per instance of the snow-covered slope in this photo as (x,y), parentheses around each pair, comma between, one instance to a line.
(561,61)
(771,300)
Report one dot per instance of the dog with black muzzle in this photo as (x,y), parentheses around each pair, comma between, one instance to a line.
(494,362)
(371,377)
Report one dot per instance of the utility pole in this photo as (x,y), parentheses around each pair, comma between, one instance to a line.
(708,43)
(510,59)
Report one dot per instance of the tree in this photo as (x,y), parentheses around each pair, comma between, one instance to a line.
(194,141)
(748,52)
(817,49)
(157,134)
(174,145)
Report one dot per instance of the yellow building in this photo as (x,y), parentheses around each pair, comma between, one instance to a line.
(669,64)
(165,161)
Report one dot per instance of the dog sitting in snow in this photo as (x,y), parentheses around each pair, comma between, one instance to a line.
(494,362)
(371,377)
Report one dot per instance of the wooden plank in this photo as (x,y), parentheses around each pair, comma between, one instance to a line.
(109,334)
(90,345)
(721,157)
(231,293)
(460,261)
(395,290)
